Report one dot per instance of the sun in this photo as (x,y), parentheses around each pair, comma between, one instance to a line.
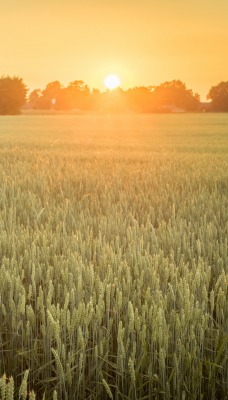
(112,82)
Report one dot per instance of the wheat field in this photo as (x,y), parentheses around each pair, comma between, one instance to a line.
(114,257)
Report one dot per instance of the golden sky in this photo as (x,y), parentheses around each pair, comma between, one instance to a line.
(145,42)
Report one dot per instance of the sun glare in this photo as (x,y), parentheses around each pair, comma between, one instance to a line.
(112,82)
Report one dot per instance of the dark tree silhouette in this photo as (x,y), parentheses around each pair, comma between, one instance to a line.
(112,101)
(51,96)
(34,99)
(219,96)
(57,97)
(175,94)
(170,96)
(78,95)
(12,95)
(139,99)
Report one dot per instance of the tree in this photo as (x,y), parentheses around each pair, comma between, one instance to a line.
(139,99)
(168,96)
(113,101)
(55,96)
(51,96)
(175,93)
(219,96)
(12,95)
(78,95)
(34,99)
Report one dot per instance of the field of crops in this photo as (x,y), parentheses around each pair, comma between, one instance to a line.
(114,257)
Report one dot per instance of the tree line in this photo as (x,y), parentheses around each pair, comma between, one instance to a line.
(172,96)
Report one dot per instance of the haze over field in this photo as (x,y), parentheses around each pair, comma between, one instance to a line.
(143,42)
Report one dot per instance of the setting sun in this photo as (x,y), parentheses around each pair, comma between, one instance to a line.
(112,81)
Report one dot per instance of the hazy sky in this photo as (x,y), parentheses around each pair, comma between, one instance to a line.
(145,42)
